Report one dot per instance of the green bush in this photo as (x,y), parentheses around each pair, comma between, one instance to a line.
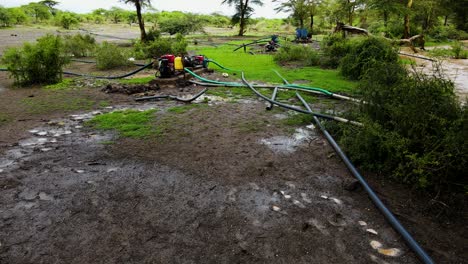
(297,53)
(458,51)
(160,46)
(415,129)
(334,48)
(5,17)
(41,62)
(67,20)
(79,45)
(366,53)
(444,33)
(110,56)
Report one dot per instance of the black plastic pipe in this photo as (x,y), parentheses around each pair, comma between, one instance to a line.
(273,98)
(422,255)
(416,56)
(110,77)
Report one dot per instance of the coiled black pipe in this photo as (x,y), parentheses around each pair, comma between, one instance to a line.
(172,97)
(110,77)
(422,255)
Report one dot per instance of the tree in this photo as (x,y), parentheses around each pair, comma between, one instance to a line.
(298,8)
(51,5)
(139,4)
(243,12)
(37,11)
(406,33)
(5,17)
(385,8)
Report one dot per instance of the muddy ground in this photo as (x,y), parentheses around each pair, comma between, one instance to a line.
(223,182)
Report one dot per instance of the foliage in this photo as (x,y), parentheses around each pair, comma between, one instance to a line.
(334,48)
(130,123)
(110,56)
(415,129)
(365,54)
(243,12)
(290,53)
(458,51)
(37,63)
(444,33)
(67,20)
(37,11)
(178,22)
(79,45)
(5,17)
(161,46)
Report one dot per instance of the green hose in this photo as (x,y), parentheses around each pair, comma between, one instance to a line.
(234,84)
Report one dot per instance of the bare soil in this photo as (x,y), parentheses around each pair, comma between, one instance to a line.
(204,189)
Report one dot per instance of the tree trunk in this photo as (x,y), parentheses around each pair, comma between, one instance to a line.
(243,8)
(445,20)
(311,24)
(301,22)
(406,33)
(141,22)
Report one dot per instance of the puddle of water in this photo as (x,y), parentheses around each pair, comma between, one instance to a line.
(284,144)
(32,142)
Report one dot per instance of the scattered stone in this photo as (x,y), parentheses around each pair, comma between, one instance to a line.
(305,199)
(275,208)
(372,231)
(362,223)
(375,244)
(79,171)
(78,127)
(286,196)
(42,133)
(254,186)
(298,204)
(28,195)
(337,201)
(1,170)
(46,149)
(45,197)
(112,170)
(34,131)
(324,197)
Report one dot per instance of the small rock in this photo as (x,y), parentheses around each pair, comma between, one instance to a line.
(275,208)
(78,127)
(362,223)
(45,197)
(337,201)
(298,204)
(34,131)
(46,149)
(324,197)
(79,171)
(42,133)
(375,244)
(28,195)
(305,199)
(1,170)
(372,231)
(112,170)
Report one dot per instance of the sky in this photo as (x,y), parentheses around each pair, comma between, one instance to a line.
(194,6)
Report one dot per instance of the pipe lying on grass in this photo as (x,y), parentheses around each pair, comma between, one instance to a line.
(422,255)
(416,56)
(92,62)
(172,97)
(111,77)
(273,98)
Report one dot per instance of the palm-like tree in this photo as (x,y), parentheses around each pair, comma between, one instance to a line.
(139,4)
(243,12)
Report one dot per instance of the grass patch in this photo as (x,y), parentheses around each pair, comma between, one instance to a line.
(406,61)
(104,103)
(225,92)
(4,119)
(183,108)
(139,80)
(297,119)
(129,123)
(63,85)
(259,68)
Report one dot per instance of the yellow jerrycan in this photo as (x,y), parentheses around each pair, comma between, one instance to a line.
(178,65)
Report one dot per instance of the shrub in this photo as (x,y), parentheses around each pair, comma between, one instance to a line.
(67,20)
(334,48)
(160,46)
(37,63)
(458,51)
(366,53)
(415,129)
(444,33)
(5,17)
(79,45)
(110,56)
(305,54)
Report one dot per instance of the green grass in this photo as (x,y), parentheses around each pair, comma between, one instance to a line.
(406,61)
(129,123)
(4,119)
(138,80)
(183,108)
(297,119)
(64,84)
(104,103)
(259,68)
